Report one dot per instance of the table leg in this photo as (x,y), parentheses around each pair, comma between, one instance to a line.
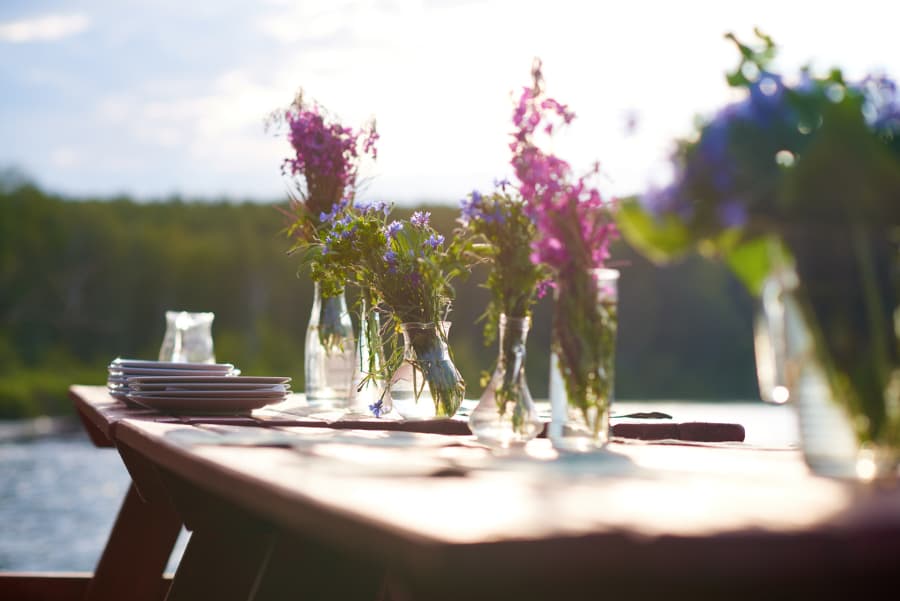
(304,569)
(136,553)
(228,551)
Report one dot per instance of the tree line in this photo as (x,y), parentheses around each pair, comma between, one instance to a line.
(83,281)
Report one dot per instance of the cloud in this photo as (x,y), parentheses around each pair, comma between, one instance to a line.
(47,28)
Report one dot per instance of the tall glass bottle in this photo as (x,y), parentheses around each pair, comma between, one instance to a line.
(582,362)
(330,353)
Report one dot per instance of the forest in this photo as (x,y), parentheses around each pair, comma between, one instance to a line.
(83,281)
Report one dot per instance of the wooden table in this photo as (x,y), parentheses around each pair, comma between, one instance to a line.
(280,511)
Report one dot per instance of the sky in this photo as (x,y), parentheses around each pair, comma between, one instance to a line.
(153,99)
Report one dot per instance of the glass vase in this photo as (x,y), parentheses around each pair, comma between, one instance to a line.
(368,388)
(427,384)
(330,353)
(791,368)
(582,361)
(505,415)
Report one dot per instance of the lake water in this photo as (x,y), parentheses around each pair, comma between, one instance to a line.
(59,495)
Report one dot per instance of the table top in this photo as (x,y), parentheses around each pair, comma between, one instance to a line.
(428,502)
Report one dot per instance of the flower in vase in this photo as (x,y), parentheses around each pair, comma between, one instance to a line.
(405,267)
(496,229)
(324,164)
(801,174)
(574,226)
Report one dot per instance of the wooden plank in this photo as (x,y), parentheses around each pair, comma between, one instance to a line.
(639,516)
(43,586)
(136,552)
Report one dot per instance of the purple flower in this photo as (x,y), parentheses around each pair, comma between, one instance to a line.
(378,206)
(377,407)
(390,257)
(392,229)
(732,213)
(434,241)
(335,209)
(420,218)
(470,207)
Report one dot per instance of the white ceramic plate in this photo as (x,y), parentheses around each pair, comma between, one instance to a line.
(196,406)
(198,379)
(144,364)
(211,394)
(148,371)
(192,385)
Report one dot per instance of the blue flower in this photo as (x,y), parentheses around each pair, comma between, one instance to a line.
(470,207)
(392,229)
(377,407)
(335,209)
(390,257)
(378,206)
(434,241)
(732,213)
(420,218)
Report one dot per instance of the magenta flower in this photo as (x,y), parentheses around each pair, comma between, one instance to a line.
(325,161)
(574,223)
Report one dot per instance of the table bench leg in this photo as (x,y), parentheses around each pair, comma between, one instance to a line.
(136,553)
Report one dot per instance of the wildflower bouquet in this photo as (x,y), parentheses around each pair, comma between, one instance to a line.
(574,229)
(324,168)
(496,229)
(325,162)
(406,267)
(799,177)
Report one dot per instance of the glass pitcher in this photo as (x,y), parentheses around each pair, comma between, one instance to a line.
(188,338)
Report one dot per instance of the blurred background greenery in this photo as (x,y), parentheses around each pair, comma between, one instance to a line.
(83,281)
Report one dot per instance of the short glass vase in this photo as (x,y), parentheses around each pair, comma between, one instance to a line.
(582,361)
(427,384)
(330,353)
(505,415)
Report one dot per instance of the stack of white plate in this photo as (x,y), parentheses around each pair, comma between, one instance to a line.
(207,394)
(122,370)
(192,387)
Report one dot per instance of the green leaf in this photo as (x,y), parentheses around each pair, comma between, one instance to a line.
(753,260)
(660,240)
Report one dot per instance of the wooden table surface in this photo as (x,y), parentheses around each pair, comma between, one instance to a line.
(283,511)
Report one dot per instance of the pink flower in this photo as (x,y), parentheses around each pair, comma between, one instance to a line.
(573,221)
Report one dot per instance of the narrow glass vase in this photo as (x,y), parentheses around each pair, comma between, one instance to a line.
(505,415)
(330,353)
(427,384)
(582,361)
(368,388)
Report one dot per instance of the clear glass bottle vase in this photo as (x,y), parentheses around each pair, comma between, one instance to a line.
(582,361)
(368,387)
(330,353)
(505,415)
(427,384)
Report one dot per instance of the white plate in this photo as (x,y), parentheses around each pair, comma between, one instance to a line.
(144,364)
(195,406)
(211,394)
(192,385)
(147,371)
(222,380)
